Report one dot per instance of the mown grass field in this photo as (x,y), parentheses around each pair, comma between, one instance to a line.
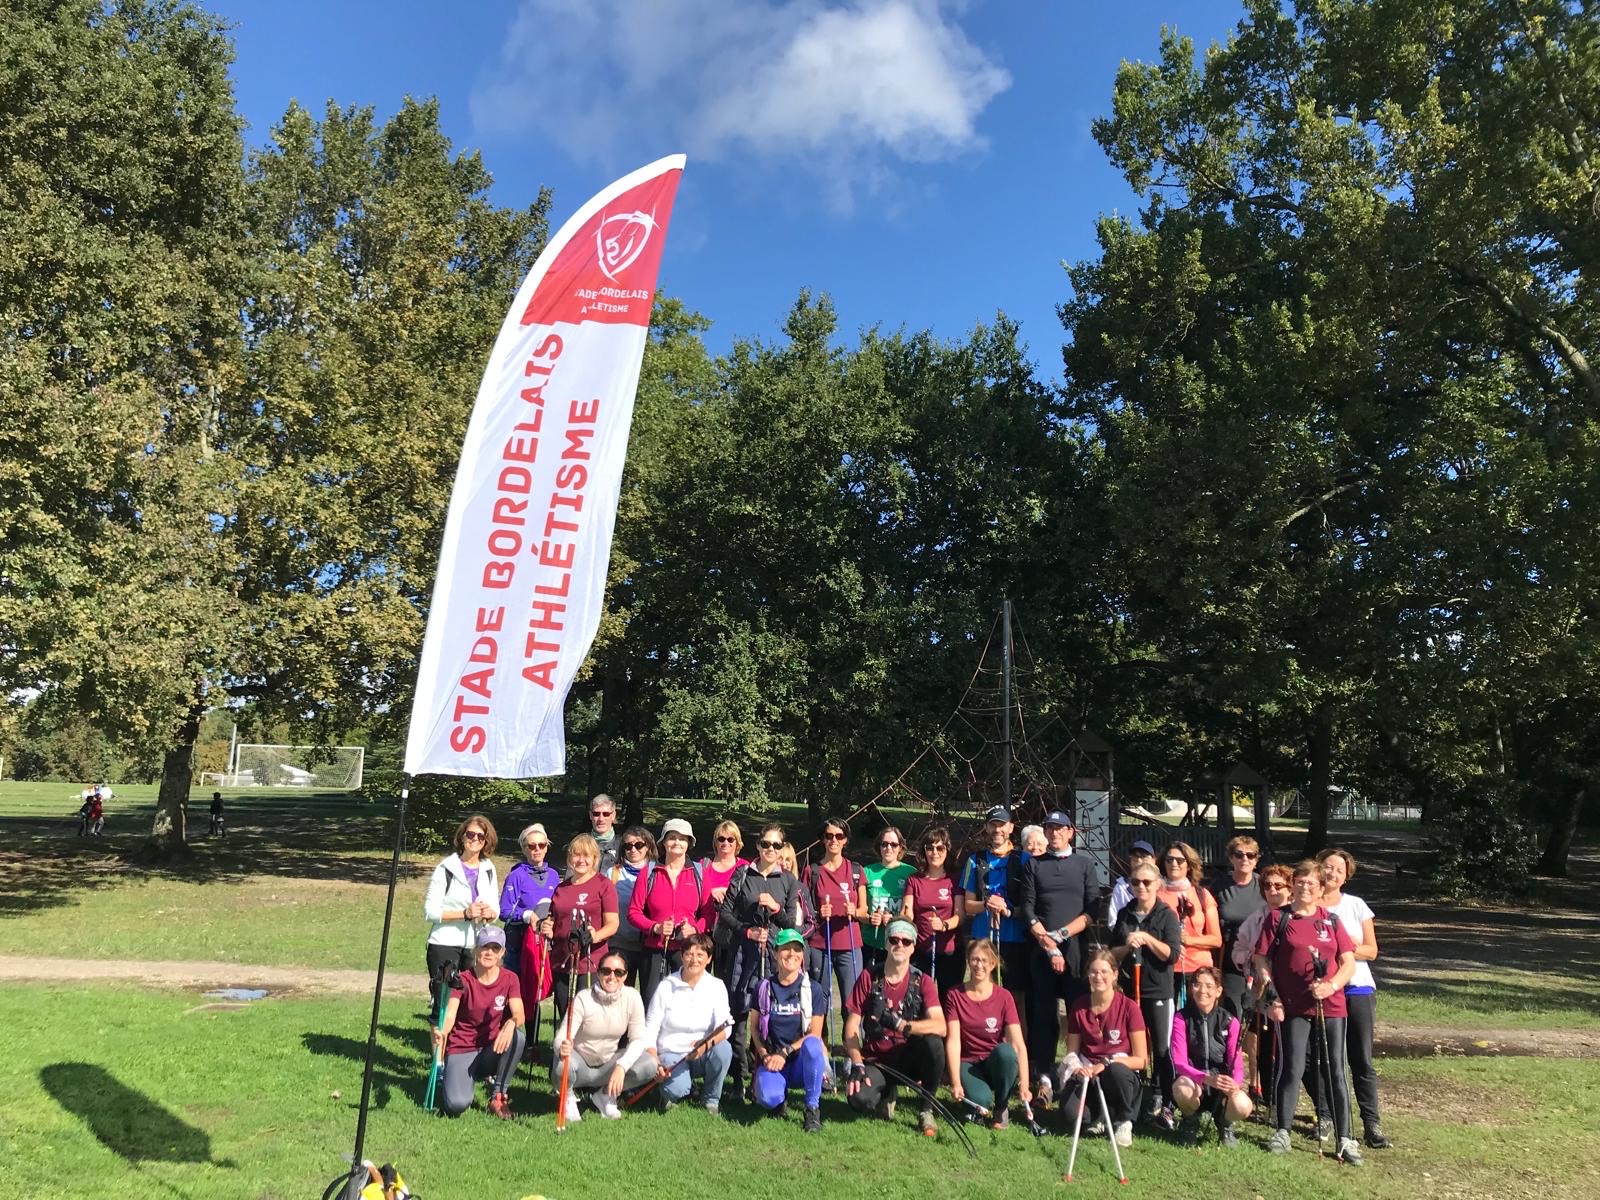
(112,1089)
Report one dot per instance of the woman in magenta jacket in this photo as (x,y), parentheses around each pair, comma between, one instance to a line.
(1206,1061)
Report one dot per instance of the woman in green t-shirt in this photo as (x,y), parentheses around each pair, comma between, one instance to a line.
(886,887)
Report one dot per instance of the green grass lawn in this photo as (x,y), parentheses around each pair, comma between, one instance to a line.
(129,1092)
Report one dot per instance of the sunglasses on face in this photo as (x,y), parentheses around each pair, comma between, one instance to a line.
(473,835)
(614,972)
(902,941)
(607,813)
(1175,858)
(725,839)
(772,845)
(1141,883)
(888,845)
(932,846)
(1245,854)
(633,845)
(538,845)
(833,837)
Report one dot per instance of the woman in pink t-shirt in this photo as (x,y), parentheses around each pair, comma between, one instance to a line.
(985,1055)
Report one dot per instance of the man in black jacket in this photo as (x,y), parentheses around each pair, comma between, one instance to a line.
(1058,890)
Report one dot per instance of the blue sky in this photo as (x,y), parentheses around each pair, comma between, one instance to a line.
(927,164)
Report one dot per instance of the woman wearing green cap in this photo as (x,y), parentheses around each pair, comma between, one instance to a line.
(786,1032)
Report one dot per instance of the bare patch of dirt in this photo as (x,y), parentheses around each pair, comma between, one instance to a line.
(1450,1101)
(280,981)
(1428,1041)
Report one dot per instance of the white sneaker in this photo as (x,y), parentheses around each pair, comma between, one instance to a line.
(607,1104)
(1123,1133)
(572,1107)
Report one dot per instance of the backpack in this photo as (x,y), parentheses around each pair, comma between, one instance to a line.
(763,1004)
(911,1006)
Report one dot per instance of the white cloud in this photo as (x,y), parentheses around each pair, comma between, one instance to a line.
(848,92)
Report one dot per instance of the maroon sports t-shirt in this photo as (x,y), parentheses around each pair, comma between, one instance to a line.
(840,886)
(1293,962)
(597,897)
(931,900)
(484,1008)
(983,1022)
(893,994)
(1104,1034)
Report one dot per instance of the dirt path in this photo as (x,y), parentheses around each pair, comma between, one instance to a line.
(203,975)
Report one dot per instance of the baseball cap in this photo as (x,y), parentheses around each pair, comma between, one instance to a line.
(998,813)
(680,826)
(1142,847)
(1056,817)
(789,937)
(491,935)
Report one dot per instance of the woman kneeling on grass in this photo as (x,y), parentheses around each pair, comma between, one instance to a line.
(602,1014)
(984,1051)
(482,1035)
(1105,1041)
(687,1025)
(786,1032)
(1207,1060)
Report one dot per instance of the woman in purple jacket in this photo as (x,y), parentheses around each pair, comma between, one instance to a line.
(528,885)
(1206,1061)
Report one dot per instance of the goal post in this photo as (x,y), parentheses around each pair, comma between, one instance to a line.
(316,768)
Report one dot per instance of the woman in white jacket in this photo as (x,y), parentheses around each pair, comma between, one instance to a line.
(463,893)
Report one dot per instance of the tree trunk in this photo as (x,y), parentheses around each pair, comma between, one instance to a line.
(168,830)
(1317,787)
(1565,827)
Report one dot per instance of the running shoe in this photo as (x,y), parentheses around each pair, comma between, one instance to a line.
(608,1106)
(1002,1119)
(1350,1152)
(1227,1138)
(1375,1137)
(925,1123)
(1165,1120)
(500,1106)
(1124,1133)
(1043,1092)
(1279,1142)
(1324,1129)
(713,1107)
(885,1109)
(1189,1130)
(813,1121)
(572,1107)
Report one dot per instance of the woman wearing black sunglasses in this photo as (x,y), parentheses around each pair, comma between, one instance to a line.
(761,898)
(602,1014)
(637,850)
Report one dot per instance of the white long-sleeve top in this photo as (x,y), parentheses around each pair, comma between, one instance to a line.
(447,890)
(680,1015)
(599,1025)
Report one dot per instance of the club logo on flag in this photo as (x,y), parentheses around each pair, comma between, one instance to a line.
(621,239)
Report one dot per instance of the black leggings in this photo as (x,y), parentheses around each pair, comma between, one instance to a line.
(563,997)
(439,959)
(920,1057)
(1121,1086)
(1158,1032)
(1302,1044)
(1363,1010)
(654,966)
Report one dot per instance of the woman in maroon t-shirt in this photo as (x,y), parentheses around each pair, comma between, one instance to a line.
(839,894)
(1306,954)
(985,1055)
(482,1036)
(1106,1041)
(587,892)
(933,904)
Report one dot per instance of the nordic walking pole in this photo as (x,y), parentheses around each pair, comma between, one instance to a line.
(438,1051)
(1077,1125)
(1111,1136)
(1325,1066)
(538,1008)
(566,1056)
(672,1070)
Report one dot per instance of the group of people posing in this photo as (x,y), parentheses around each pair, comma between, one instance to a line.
(670,970)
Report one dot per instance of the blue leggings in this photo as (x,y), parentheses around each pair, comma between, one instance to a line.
(805,1069)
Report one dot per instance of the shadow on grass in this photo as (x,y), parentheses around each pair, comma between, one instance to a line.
(1495,999)
(391,1071)
(125,1121)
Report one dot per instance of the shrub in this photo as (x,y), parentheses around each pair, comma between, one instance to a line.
(1484,841)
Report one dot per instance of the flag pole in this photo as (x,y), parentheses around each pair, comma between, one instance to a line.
(358,1176)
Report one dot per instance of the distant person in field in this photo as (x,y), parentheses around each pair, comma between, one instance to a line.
(218,825)
(603,828)
(463,895)
(86,812)
(483,1034)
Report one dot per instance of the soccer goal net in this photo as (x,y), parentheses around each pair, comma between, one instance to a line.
(324,768)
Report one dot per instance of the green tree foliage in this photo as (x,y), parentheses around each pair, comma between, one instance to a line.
(233,397)
(1337,370)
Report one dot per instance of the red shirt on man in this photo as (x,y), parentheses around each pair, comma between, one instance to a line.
(885,1040)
